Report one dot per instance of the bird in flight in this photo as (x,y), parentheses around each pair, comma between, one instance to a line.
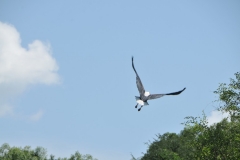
(145,96)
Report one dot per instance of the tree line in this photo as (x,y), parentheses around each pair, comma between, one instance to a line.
(39,153)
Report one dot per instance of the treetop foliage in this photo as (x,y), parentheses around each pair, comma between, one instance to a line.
(39,153)
(229,95)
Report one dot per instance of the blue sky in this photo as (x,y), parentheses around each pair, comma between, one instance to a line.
(66,81)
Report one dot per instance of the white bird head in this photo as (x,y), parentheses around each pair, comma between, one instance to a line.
(146,94)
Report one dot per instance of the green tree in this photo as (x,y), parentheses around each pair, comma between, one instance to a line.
(52,157)
(4,149)
(165,147)
(229,96)
(39,153)
(221,140)
(12,153)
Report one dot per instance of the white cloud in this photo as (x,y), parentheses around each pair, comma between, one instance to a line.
(21,67)
(25,66)
(36,116)
(216,116)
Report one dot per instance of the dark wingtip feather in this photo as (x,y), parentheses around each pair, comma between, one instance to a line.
(176,93)
(134,67)
(182,90)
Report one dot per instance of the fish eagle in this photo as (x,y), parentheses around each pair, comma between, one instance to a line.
(145,96)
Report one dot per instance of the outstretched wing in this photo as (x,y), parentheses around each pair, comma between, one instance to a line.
(155,96)
(176,93)
(138,81)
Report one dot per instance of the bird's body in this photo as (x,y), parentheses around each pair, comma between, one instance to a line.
(141,102)
(145,96)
